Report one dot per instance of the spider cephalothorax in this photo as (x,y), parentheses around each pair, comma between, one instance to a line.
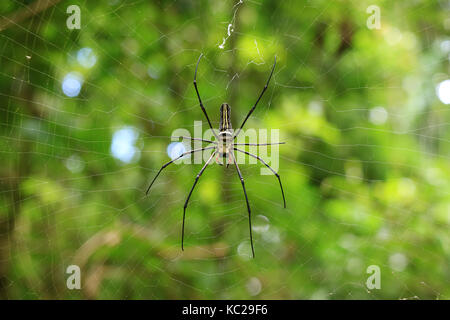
(224,148)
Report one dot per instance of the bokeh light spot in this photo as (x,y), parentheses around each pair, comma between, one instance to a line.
(398,261)
(74,163)
(175,149)
(443,91)
(122,146)
(260,224)
(71,84)
(86,57)
(245,250)
(254,286)
(378,115)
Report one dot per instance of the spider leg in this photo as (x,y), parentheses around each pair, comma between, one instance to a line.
(165,165)
(258,144)
(275,173)
(198,139)
(189,196)
(218,161)
(259,98)
(248,205)
(200,99)
(230,160)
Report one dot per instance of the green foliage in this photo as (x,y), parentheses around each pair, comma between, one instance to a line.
(360,191)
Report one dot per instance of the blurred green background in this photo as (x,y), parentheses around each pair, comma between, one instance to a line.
(86,117)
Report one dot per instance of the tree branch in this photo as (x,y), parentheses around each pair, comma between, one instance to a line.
(26,12)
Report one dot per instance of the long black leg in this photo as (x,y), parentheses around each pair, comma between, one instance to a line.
(200,99)
(259,98)
(198,139)
(275,173)
(189,196)
(258,144)
(165,165)
(248,205)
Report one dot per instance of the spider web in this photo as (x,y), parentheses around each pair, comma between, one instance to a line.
(365,168)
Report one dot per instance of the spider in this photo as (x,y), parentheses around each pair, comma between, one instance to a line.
(224,148)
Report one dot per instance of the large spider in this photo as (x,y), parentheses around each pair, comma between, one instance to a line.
(224,147)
